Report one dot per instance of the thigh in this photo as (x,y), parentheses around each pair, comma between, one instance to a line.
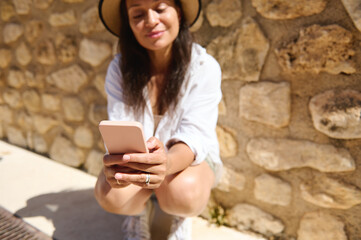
(187,192)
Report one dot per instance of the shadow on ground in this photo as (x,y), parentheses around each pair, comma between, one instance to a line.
(75,215)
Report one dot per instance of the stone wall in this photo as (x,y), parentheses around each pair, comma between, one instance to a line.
(289,122)
(53,59)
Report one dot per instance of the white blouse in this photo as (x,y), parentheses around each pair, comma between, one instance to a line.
(195,117)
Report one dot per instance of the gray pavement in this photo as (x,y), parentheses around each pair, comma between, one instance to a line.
(58,200)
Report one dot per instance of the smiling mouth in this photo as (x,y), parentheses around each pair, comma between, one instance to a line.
(155,34)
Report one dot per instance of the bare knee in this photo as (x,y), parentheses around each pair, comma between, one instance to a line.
(117,207)
(114,202)
(184,197)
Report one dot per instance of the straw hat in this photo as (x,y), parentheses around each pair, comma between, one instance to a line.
(109,12)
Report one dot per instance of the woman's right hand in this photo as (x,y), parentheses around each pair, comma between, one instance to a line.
(110,169)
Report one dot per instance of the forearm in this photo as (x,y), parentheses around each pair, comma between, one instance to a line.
(180,156)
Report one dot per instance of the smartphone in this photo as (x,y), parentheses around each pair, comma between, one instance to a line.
(123,137)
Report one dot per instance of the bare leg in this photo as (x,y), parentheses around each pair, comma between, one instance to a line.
(186,193)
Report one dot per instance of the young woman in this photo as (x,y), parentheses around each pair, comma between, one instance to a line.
(172,86)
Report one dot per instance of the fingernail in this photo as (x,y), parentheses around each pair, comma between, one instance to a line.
(118,176)
(126,157)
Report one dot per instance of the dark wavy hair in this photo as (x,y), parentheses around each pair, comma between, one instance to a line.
(135,66)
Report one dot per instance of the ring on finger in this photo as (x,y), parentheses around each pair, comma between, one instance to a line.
(147,179)
(118,182)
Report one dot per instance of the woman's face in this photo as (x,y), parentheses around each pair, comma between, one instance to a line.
(155,23)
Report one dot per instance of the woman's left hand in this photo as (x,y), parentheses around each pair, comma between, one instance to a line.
(154,163)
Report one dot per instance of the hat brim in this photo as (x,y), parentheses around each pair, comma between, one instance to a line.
(109,13)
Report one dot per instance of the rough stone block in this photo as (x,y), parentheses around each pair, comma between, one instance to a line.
(73,109)
(272,190)
(227,142)
(94,52)
(285,154)
(23,54)
(223,12)
(43,124)
(94,162)
(337,113)
(321,226)
(354,10)
(246,50)
(98,82)
(66,48)
(13,98)
(319,49)
(83,137)
(6,115)
(22,7)
(45,52)
(89,95)
(12,32)
(16,136)
(32,101)
(33,29)
(50,102)
(69,79)
(97,113)
(266,102)
(248,217)
(62,19)
(330,193)
(68,130)
(7,11)
(285,9)
(40,144)
(64,151)
(16,78)
(35,81)
(5,57)
(231,180)
(24,120)
(42,4)
(90,21)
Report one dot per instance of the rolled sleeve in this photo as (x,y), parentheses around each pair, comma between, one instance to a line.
(198,122)
(114,91)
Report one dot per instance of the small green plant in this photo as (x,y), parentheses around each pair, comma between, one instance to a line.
(217,214)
